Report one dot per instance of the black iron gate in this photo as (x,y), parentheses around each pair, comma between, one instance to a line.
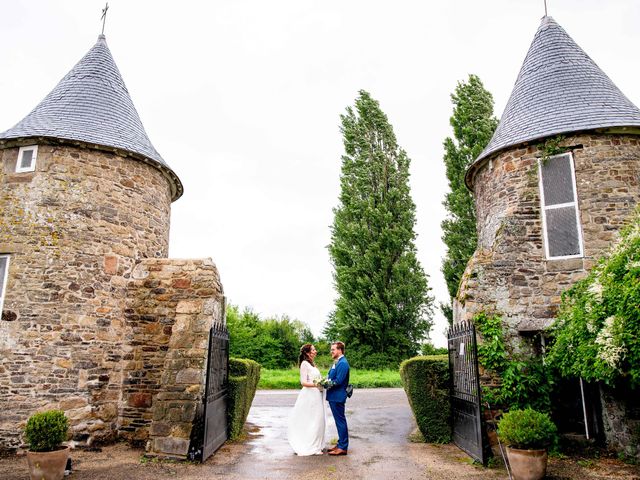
(468,427)
(215,403)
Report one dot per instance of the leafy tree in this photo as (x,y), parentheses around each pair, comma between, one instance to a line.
(427,348)
(383,310)
(473,125)
(272,342)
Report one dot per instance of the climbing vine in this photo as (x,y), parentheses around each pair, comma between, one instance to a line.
(523,380)
(597,333)
(550,148)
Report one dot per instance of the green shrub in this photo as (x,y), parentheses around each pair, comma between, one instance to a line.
(526,429)
(524,382)
(45,431)
(244,376)
(426,382)
(597,331)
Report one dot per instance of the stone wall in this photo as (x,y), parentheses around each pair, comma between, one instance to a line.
(621,418)
(75,228)
(171,306)
(508,272)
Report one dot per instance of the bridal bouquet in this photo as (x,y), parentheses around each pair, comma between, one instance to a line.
(324,382)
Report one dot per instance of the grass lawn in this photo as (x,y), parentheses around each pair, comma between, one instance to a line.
(290,379)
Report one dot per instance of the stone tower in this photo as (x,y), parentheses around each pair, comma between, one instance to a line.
(543,220)
(89,299)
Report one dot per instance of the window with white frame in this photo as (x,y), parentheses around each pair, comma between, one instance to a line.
(4,271)
(27,159)
(560,215)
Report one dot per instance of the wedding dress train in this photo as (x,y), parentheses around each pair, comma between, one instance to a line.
(306,429)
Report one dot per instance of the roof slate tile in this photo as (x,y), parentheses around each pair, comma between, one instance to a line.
(92,104)
(559,89)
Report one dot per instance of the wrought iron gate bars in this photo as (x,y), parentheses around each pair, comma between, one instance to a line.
(468,427)
(216,390)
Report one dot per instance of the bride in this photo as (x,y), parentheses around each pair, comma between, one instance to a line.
(307,419)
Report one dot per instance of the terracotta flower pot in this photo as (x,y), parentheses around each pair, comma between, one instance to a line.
(48,465)
(527,464)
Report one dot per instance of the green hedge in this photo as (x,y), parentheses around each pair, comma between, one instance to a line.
(244,376)
(426,382)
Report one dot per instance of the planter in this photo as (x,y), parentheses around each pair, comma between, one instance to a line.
(48,465)
(527,464)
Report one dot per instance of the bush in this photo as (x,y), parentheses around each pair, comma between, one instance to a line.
(426,382)
(244,376)
(524,382)
(597,332)
(46,431)
(526,429)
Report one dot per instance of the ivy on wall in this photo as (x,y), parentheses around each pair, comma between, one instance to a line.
(523,380)
(551,147)
(597,333)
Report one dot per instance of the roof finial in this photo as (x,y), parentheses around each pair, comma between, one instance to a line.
(104,15)
(545,8)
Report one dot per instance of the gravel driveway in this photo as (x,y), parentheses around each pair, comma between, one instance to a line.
(380,422)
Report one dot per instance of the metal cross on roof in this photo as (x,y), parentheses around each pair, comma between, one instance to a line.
(104,15)
(545,8)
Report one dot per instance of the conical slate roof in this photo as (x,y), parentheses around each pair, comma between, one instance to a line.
(91,104)
(559,90)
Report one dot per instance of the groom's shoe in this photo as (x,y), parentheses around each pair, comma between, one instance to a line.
(337,451)
(331,449)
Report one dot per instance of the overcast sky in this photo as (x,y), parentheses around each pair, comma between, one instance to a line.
(242,99)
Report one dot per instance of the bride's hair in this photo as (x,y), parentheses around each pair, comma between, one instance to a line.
(305,350)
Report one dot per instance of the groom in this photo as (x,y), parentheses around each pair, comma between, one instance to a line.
(337,396)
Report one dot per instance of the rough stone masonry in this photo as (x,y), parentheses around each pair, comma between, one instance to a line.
(96,321)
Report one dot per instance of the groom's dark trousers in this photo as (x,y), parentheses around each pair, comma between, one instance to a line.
(337,397)
(337,410)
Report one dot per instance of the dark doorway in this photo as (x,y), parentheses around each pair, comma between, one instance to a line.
(576,409)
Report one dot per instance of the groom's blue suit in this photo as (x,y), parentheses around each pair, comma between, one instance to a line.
(337,397)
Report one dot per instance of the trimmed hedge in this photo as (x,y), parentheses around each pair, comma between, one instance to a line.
(244,376)
(426,382)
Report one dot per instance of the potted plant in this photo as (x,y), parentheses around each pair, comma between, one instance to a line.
(45,433)
(527,434)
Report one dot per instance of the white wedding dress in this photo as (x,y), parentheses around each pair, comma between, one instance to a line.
(307,420)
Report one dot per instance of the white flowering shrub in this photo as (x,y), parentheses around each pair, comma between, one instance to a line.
(597,333)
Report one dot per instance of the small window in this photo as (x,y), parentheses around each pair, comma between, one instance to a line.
(4,270)
(27,159)
(560,216)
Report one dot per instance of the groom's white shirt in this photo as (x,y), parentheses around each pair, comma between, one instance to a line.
(336,361)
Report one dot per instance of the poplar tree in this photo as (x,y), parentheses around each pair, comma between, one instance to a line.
(473,125)
(383,310)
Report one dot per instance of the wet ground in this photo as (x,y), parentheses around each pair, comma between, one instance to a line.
(380,423)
